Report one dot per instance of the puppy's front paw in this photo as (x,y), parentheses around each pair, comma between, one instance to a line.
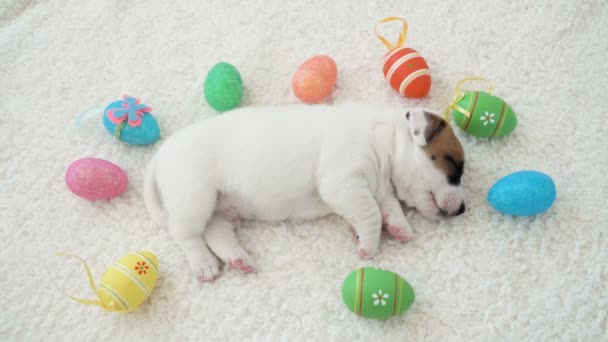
(398,228)
(244,265)
(399,233)
(367,249)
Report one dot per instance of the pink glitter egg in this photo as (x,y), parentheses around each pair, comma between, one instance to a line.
(95,179)
(315,79)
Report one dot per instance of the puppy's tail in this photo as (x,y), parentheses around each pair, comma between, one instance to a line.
(152,196)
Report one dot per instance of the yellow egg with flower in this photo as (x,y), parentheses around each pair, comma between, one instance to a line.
(125,285)
(128,282)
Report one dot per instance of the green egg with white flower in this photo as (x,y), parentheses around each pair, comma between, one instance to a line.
(372,292)
(483,115)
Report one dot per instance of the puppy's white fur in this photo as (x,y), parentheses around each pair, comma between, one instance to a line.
(275,163)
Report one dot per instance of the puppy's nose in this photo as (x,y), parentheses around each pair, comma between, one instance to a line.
(461,209)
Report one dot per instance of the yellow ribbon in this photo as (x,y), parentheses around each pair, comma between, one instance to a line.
(96,301)
(458,95)
(402,35)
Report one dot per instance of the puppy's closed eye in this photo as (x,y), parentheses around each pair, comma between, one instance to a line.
(456,168)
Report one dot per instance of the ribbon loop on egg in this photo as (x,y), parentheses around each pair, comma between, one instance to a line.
(118,129)
(402,35)
(97,301)
(458,95)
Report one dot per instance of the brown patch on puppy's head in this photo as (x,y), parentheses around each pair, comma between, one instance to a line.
(443,148)
(435,181)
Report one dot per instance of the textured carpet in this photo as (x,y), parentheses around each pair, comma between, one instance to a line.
(482,276)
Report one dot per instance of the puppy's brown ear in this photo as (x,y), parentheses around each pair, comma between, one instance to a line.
(434,125)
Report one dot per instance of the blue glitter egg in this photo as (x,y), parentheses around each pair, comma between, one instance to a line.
(523,193)
(131,122)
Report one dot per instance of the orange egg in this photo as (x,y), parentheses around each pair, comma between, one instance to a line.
(315,79)
(407,72)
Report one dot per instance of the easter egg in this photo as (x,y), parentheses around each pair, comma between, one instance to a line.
(128,282)
(407,72)
(223,87)
(523,193)
(131,121)
(315,79)
(376,293)
(95,179)
(490,116)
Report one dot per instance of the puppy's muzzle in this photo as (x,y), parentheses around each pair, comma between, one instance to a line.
(458,212)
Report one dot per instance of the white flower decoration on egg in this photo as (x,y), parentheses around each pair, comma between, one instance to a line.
(487,117)
(380,298)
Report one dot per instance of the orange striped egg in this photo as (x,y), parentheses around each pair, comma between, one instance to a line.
(407,72)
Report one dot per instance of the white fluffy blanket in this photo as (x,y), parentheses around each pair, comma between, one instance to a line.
(482,276)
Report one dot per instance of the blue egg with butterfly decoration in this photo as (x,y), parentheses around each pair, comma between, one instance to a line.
(131,121)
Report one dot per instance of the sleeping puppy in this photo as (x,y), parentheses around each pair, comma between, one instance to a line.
(276,163)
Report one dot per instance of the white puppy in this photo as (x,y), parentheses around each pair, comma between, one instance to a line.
(277,163)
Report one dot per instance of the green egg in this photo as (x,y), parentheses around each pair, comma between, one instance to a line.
(376,293)
(490,115)
(223,87)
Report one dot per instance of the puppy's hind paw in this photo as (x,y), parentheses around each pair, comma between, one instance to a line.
(206,270)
